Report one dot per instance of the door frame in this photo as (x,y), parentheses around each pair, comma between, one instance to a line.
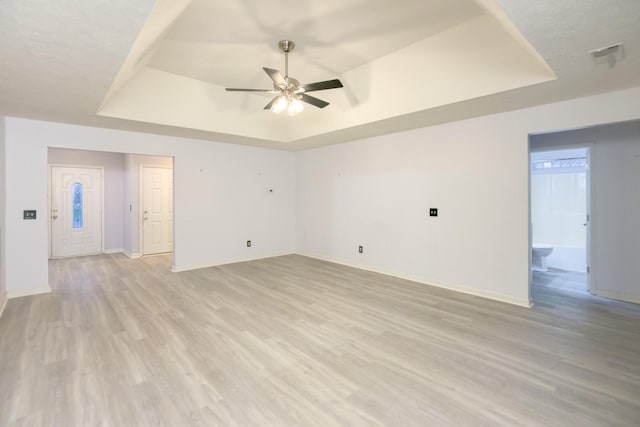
(49,191)
(141,211)
(591,262)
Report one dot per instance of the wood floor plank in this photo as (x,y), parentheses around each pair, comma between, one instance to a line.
(294,341)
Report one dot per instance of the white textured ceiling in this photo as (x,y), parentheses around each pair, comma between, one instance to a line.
(162,66)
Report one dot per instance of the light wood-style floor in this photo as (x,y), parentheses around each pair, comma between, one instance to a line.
(293,341)
(562,280)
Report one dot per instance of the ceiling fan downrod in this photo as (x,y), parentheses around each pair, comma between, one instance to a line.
(286,46)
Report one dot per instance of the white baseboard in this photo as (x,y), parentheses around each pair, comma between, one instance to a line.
(522,302)
(131,255)
(114,251)
(218,264)
(3,302)
(621,296)
(28,292)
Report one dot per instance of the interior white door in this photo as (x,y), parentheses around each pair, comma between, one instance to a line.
(157,210)
(76,211)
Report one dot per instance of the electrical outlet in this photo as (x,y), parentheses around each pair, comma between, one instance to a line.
(360,250)
(29,214)
(433,212)
(248,243)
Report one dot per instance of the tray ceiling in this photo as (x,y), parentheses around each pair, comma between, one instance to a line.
(162,66)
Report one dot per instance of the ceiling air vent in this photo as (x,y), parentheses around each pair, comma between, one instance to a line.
(610,54)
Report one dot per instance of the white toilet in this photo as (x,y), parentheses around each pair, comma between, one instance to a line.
(539,254)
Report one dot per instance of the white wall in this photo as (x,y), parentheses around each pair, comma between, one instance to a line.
(132,200)
(113,164)
(615,182)
(3,289)
(376,192)
(221,196)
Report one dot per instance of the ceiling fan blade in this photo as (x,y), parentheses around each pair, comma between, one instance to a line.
(235,89)
(276,76)
(268,106)
(313,101)
(327,84)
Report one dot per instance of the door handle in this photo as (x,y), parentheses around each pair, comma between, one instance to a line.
(54,217)
(145,218)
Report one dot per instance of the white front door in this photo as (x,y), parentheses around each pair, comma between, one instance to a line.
(157,210)
(76,211)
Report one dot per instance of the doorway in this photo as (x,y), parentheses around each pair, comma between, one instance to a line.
(157,209)
(560,218)
(75,211)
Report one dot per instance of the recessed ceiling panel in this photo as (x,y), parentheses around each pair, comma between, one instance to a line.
(227,42)
(394,58)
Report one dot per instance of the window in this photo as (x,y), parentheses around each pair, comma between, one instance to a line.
(573,165)
(77,206)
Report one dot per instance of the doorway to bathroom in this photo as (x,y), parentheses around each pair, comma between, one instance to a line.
(560,218)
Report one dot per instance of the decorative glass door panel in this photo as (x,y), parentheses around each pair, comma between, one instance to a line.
(76,211)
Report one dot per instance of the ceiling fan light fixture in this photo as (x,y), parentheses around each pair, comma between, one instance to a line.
(280,105)
(295,107)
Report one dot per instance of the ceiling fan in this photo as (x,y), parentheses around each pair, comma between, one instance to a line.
(290,92)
